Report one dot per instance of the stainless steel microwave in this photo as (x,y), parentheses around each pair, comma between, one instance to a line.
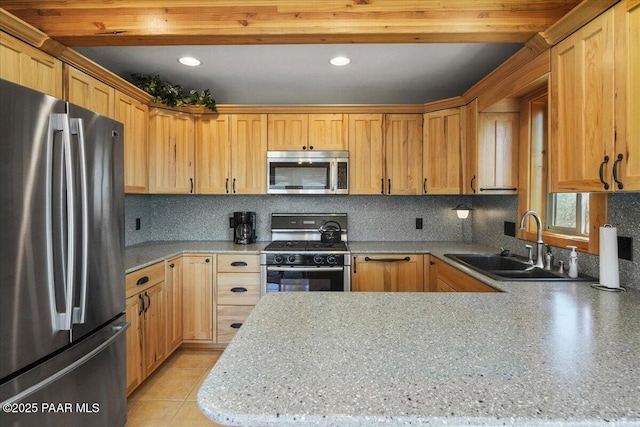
(308,172)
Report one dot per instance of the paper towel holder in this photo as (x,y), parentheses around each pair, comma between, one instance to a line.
(603,287)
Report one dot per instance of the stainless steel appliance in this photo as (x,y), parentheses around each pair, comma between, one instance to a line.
(297,259)
(308,172)
(244,227)
(62,322)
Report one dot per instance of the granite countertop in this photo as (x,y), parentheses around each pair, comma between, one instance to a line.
(536,355)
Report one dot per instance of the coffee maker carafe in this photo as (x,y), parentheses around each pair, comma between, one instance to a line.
(244,227)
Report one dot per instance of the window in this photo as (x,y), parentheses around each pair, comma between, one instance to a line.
(568,218)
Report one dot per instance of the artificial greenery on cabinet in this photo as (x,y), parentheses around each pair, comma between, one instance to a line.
(172,95)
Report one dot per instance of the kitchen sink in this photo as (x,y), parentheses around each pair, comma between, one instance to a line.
(511,268)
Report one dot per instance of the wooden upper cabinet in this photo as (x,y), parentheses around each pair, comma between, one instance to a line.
(498,153)
(171,152)
(627,64)
(249,153)
(328,132)
(213,155)
(27,66)
(366,155)
(88,92)
(387,273)
(288,132)
(469,145)
(441,152)
(403,154)
(582,109)
(134,115)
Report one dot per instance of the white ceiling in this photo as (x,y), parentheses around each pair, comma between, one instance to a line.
(301,74)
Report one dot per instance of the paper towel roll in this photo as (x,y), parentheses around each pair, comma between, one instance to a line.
(609,275)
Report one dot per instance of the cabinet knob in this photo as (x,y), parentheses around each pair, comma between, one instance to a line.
(172,265)
(311,147)
(304,147)
(207,260)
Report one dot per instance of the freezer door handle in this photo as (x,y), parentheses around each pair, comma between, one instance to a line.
(77,128)
(117,330)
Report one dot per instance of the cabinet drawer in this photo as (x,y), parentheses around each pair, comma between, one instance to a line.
(238,288)
(238,263)
(144,278)
(230,318)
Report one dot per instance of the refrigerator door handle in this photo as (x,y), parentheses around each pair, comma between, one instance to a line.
(117,330)
(59,122)
(77,128)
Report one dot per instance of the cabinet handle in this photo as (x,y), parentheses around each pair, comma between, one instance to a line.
(172,265)
(606,160)
(141,308)
(238,264)
(424,186)
(367,259)
(381,185)
(236,325)
(432,263)
(389,185)
(615,171)
(149,300)
(191,181)
(472,182)
(354,265)
(498,189)
(226,185)
(234,186)
(141,281)
(238,290)
(207,260)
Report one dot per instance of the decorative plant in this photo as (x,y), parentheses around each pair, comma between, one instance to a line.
(172,95)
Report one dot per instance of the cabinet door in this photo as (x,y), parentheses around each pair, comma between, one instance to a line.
(450,279)
(288,132)
(582,107)
(441,151)
(365,154)
(498,153)
(627,27)
(154,324)
(469,143)
(197,298)
(30,67)
(171,152)
(213,155)
(173,304)
(328,132)
(90,93)
(388,273)
(403,154)
(135,117)
(134,343)
(249,154)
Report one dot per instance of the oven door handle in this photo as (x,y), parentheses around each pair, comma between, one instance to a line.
(336,268)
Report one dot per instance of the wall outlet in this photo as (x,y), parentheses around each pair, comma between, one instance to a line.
(625,248)
(418,223)
(510,228)
(137,223)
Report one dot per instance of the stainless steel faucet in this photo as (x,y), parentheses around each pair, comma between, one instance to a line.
(540,244)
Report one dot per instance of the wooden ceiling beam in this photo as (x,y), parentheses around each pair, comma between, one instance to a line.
(200,22)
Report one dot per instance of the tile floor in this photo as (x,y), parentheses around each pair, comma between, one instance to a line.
(168,397)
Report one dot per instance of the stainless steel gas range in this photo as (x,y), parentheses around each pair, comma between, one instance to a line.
(298,260)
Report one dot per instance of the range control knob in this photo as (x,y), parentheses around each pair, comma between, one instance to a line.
(292,258)
(318,259)
(331,259)
(278,258)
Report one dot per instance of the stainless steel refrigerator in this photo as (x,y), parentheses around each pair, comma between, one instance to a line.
(62,283)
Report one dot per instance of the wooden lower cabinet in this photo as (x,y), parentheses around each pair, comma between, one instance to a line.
(387,273)
(173,304)
(134,343)
(237,292)
(446,278)
(198,315)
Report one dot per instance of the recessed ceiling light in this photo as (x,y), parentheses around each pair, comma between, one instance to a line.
(339,61)
(187,60)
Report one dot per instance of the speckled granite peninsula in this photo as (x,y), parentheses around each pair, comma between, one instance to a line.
(560,354)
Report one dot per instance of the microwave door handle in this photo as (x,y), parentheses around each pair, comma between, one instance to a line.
(334,175)
(77,128)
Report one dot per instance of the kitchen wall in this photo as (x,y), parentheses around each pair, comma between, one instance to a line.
(392,218)
(623,212)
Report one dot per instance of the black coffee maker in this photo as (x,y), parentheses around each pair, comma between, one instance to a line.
(244,227)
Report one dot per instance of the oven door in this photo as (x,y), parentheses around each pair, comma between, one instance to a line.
(304,279)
